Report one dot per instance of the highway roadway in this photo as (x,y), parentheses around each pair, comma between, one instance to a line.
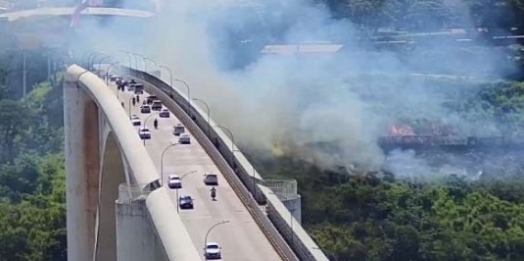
(241,239)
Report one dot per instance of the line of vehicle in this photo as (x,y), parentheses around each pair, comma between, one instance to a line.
(264,224)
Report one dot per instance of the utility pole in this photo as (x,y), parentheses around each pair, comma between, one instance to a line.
(24,75)
(49,64)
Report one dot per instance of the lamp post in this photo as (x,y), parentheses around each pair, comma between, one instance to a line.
(231,136)
(88,58)
(170,74)
(162,161)
(209,231)
(208,115)
(84,57)
(177,189)
(329,253)
(93,58)
(171,80)
(130,59)
(107,73)
(188,96)
(102,58)
(145,124)
(144,60)
(129,105)
(153,62)
(136,60)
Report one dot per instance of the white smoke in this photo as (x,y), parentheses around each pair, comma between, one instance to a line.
(300,99)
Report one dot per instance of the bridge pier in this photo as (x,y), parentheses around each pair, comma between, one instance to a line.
(136,237)
(82,168)
(95,168)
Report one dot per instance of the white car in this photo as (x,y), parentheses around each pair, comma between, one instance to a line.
(184,139)
(174,182)
(213,251)
(164,113)
(144,134)
(136,121)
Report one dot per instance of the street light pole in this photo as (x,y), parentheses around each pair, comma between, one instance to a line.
(107,73)
(83,60)
(144,60)
(93,58)
(129,105)
(177,189)
(231,136)
(129,58)
(145,123)
(134,56)
(188,96)
(170,74)
(86,57)
(162,163)
(153,62)
(208,115)
(100,61)
(209,231)
(89,57)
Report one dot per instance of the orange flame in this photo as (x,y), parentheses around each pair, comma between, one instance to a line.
(401,130)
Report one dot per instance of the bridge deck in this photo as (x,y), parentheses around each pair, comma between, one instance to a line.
(241,239)
(67,11)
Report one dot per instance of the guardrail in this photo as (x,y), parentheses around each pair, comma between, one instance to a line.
(284,233)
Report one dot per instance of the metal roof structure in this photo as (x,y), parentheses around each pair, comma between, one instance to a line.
(66,11)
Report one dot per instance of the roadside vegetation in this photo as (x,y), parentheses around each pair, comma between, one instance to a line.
(32,178)
(376,217)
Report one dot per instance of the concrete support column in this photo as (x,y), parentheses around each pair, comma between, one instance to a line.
(294,205)
(82,170)
(136,237)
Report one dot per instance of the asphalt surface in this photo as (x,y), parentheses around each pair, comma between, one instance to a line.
(241,239)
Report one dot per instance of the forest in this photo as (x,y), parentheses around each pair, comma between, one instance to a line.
(370,217)
(32,177)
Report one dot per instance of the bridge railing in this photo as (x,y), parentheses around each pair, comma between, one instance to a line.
(241,175)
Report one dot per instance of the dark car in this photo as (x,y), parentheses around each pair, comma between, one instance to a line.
(150,99)
(121,84)
(139,88)
(157,105)
(164,113)
(185,202)
(211,179)
(145,109)
(115,78)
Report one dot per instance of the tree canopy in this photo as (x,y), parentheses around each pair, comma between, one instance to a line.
(32,178)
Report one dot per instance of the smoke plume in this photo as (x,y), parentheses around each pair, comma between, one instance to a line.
(348,98)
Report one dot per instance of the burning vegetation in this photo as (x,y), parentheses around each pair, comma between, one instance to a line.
(432,135)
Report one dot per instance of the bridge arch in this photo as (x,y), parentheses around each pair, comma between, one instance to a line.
(103,151)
